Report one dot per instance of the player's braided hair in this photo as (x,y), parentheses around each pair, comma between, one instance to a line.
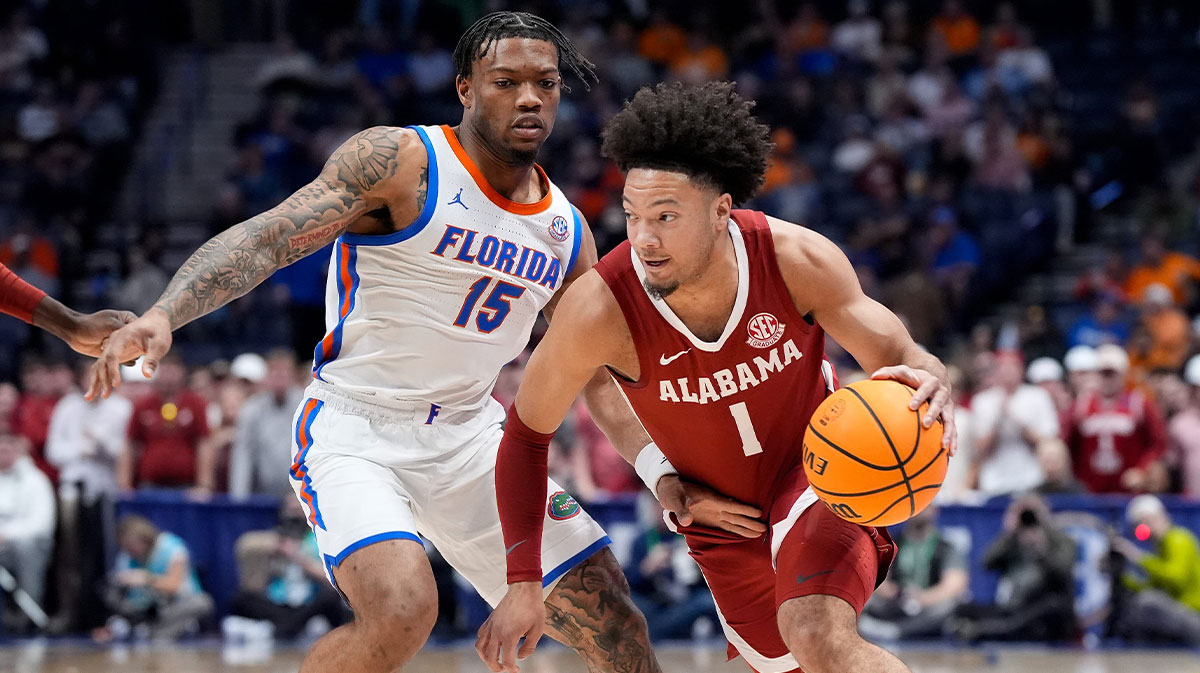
(479,38)
(705,132)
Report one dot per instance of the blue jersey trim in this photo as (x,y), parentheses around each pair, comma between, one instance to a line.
(332,562)
(426,212)
(347,255)
(574,243)
(575,560)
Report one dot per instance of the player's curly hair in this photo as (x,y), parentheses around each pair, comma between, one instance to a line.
(479,38)
(705,132)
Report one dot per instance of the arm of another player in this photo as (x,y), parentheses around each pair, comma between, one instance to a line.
(579,342)
(821,280)
(83,333)
(355,179)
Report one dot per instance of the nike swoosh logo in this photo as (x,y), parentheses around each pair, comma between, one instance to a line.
(664,360)
(510,549)
(801,579)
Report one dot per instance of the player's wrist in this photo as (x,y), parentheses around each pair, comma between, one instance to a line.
(651,465)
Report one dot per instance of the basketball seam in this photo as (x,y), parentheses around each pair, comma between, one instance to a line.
(846,453)
(896,502)
(912,502)
(885,488)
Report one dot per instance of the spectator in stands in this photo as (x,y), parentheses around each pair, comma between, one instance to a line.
(1024,64)
(1010,418)
(1104,325)
(281,580)
(1115,436)
(1163,333)
(143,284)
(1183,434)
(26,517)
(959,30)
(1005,30)
(956,256)
(1047,374)
(262,445)
(1082,367)
(1035,595)
(1166,599)
(927,583)
(246,373)
(700,62)
(41,117)
(666,583)
(165,431)
(1175,270)
(84,442)
(153,585)
(600,472)
(859,36)
(22,46)
(1055,461)
(901,39)
(43,383)
(661,39)
(806,32)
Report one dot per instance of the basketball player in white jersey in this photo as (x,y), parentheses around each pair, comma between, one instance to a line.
(449,241)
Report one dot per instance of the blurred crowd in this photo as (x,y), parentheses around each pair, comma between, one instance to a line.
(952,148)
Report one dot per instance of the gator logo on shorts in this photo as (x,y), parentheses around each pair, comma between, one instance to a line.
(562,506)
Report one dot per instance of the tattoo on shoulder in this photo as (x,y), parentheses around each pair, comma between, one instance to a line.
(423,188)
(371,158)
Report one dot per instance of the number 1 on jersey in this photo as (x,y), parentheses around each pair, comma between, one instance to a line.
(495,308)
(741,417)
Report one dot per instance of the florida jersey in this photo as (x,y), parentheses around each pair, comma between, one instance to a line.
(730,413)
(432,312)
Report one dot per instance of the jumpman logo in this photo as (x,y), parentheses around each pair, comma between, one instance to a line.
(458,199)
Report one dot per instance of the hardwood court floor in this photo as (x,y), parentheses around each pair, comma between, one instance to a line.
(211,658)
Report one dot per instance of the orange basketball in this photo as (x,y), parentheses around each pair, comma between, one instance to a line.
(867,456)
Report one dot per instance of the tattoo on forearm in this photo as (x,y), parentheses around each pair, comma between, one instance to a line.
(591,611)
(235,261)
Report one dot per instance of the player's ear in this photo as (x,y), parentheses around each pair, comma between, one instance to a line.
(463,87)
(722,207)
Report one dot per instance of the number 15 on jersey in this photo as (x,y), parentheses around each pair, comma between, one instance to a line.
(494,309)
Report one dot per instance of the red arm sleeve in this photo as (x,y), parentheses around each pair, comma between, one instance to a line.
(18,298)
(521,472)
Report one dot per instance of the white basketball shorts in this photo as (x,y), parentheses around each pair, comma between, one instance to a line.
(368,472)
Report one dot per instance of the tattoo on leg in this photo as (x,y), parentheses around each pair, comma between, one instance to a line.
(591,611)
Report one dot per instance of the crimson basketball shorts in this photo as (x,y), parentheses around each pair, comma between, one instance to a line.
(809,550)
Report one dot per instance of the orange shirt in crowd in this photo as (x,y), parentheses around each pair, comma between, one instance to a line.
(662,42)
(804,36)
(1176,271)
(1168,331)
(961,33)
(708,63)
(42,255)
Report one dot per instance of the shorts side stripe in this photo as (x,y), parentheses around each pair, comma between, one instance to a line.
(299,471)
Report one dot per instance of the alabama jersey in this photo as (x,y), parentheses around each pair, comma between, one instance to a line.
(729,413)
(432,312)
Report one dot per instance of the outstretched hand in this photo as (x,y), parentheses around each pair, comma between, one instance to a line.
(88,333)
(932,389)
(149,336)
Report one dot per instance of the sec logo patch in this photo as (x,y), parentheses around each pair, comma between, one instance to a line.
(765,329)
(562,506)
(558,228)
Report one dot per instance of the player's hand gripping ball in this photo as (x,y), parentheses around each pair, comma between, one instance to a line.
(867,456)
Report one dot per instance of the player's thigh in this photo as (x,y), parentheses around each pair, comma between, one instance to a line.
(821,554)
(454,502)
(742,583)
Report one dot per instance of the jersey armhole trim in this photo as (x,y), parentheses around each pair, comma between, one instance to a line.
(574,242)
(426,213)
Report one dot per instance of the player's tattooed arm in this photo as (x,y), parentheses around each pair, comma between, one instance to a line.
(591,611)
(235,261)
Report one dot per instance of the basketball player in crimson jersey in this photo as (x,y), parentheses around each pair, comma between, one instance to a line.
(85,334)
(712,321)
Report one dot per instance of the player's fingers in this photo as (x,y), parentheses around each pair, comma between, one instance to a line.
(156,348)
(741,508)
(753,527)
(488,649)
(949,430)
(125,317)
(531,642)
(936,406)
(93,387)
(673,498)
(508,652)
(902,373)
(923,394)
(743,531)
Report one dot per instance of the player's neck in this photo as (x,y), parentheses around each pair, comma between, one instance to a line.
(515,182)
(705,302)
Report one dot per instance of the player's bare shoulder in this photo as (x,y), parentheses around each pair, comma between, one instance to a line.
(814,268)
(590,317)
(386,165)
